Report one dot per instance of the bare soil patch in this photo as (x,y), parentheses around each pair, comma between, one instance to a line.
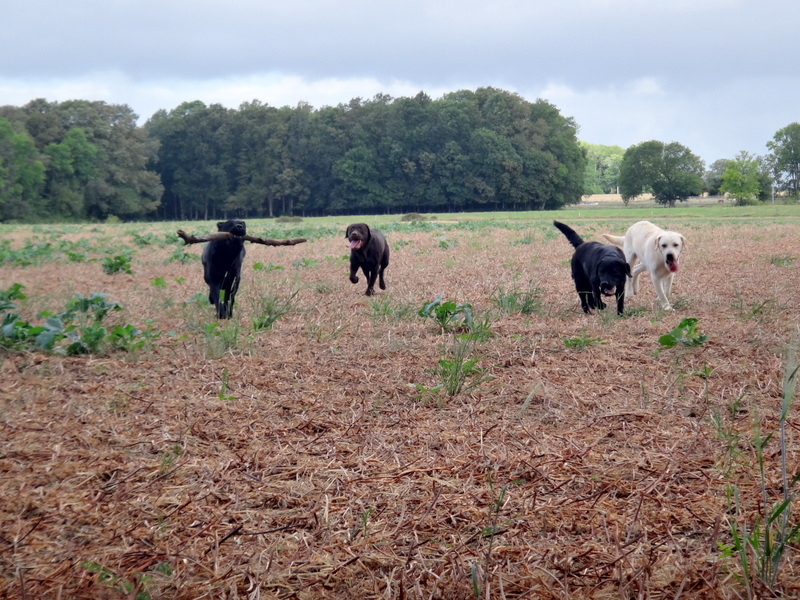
(307,461)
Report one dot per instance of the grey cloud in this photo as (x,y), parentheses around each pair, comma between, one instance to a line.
(691,47)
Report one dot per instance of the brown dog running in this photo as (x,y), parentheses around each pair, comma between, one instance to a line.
(368,252)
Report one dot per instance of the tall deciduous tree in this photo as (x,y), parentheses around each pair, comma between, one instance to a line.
(486,149)
(21,175)
(72,165)
(669,171)
(602,168)
(785,148)
(742,179)
(121,183)
(258,131)
(191,158)
(713,176)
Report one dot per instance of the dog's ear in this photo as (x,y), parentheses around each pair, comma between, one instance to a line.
(628,270)
(369,233)
(657,242)
(683,241)
(347,231)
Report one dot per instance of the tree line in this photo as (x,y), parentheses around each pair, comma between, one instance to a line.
(76,160)
(482,150)
(486,149)
(672,173)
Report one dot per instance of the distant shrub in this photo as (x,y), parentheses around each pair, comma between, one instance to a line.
(410,217)
(686,333)
(179,255)
(117,264)
(782,261)
(77,330)
(524,301)
(446,244)
(288,219)
(581,341)
(446,313)
(144,240)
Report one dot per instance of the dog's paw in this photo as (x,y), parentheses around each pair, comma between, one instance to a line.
(369,292)
(353,279)
(382,286)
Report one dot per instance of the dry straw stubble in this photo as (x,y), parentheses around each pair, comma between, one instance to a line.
(303,462)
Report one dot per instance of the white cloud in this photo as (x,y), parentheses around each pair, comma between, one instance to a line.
(714,121)
(146,97)
(646,86)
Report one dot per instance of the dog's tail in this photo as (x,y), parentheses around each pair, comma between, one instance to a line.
(617,240)
(573,237)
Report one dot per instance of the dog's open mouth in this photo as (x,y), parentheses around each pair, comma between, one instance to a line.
(355,244)
(609,291)
(672,264)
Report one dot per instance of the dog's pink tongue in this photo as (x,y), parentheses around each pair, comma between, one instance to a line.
(673,266)
(355,244)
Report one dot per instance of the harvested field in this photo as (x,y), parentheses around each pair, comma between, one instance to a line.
(319,459)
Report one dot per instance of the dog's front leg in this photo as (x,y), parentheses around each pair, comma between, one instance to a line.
(587,301)
(620,302)
(663,299)
(668,285)
(598,298)
(371,275)
(353,271)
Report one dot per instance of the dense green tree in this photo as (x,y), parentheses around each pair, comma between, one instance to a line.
(494,171)
(121,183)
(359,187)
(258,134)
(669,171)
(785,148)
(555,176)
(640,166)
(602,168)
(191,158)
(42,122)
(742,179)
(486,149)
(713,176)
(72,165)
(447,178)
(21,175)
(766,186)
(325,140)
(293,184)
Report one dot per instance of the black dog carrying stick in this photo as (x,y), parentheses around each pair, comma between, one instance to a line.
(224,235)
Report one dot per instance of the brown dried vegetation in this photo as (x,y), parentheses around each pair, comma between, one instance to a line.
(305,462)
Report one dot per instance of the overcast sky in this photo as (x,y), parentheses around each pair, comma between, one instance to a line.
(718,76)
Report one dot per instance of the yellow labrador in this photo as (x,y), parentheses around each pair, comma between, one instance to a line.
(657,251)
